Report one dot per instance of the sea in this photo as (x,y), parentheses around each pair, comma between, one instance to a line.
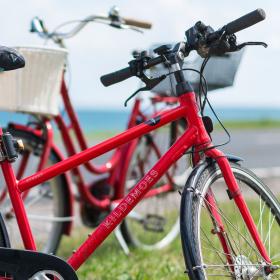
(116,120)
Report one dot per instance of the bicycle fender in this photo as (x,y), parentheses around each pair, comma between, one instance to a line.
(4,233)
(187,194)
(186,227)
(233,158)
(23,264)
(205,164)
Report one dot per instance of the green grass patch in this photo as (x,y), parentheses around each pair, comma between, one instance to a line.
(109,261)
(261,124)
(90,135)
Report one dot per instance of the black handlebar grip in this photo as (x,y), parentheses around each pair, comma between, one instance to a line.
(116,77)
(245,21)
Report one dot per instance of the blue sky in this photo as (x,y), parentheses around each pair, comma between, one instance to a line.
(100,49)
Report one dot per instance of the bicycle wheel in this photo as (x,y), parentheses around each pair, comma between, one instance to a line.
(45,204)
(205,255)
(154,222)
(4,243)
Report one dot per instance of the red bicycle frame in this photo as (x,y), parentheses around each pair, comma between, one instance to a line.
(116,178)
(195,136)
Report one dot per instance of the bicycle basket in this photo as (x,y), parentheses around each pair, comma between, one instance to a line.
(35,88)
(219,72)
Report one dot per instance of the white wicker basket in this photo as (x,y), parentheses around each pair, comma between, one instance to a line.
(36,87)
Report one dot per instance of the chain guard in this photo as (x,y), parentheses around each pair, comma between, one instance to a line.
(23,265)
(92,216)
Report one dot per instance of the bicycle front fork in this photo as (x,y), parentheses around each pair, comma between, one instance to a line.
(239,200)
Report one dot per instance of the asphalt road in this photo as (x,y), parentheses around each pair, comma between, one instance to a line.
(258,148)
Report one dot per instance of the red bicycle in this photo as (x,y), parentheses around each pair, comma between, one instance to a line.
(217,240)
(153,225)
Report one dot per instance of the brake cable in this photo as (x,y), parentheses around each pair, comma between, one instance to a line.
(204,90)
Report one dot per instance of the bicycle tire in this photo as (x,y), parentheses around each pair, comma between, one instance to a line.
(198,226)
(4,243)
(47,238)
(138,234)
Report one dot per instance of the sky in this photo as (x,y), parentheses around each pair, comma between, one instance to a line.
(99,49)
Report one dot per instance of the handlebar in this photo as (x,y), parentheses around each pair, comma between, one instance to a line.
(201,38)
(128,72)
(245,21)
(137,23)
(113,19)
(82,23)
(116,77)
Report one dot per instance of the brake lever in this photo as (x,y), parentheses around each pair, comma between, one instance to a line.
(125,26)
(118,24)
(241,46)
(231,46)
(150,84)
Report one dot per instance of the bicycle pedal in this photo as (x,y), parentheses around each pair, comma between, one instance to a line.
(154,223)
(26,265)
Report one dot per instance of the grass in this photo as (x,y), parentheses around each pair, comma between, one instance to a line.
(91,135)
(261,124)
(109,261)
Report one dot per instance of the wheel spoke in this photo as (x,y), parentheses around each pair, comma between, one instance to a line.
(35,199)
(50,219)
(45,204)
(223,246)
(229,223)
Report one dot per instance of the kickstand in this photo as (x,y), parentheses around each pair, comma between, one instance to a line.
(121,240)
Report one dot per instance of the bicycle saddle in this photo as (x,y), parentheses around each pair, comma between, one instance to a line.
(10,59)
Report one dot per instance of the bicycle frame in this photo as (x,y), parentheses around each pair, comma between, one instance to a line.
(74,125)
(194,136)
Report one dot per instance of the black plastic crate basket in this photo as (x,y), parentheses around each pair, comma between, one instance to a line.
(219,72)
